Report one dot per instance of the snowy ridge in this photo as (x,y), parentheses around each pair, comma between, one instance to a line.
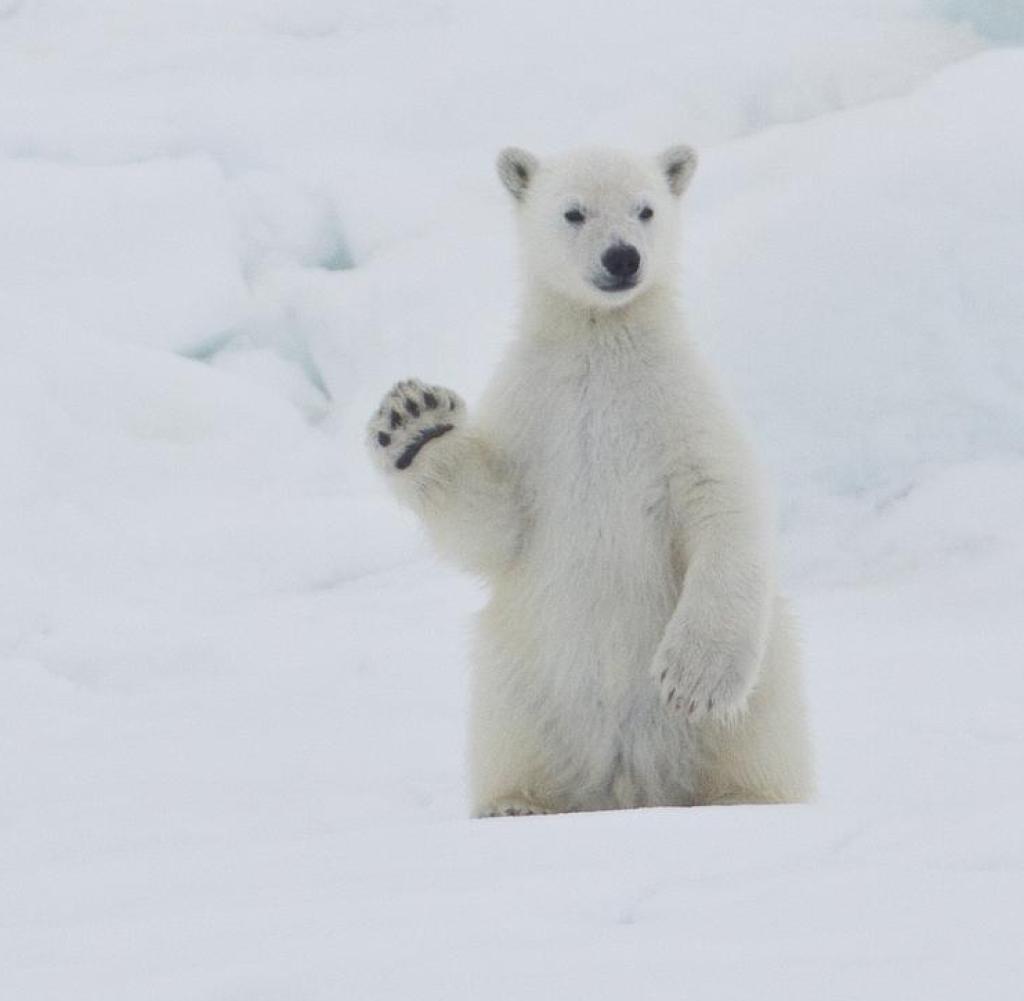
(231,677)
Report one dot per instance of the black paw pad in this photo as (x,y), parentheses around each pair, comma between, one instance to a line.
(413,449)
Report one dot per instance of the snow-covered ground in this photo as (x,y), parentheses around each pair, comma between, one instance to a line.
(231,674)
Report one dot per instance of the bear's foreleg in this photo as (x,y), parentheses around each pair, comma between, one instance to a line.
(449,474)
(711,650)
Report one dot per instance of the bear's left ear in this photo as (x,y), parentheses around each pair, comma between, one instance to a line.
(678,164)
(516,168)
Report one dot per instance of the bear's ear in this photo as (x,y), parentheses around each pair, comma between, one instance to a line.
(678,164)
(516,168)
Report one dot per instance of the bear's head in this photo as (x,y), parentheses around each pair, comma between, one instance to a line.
(598,226)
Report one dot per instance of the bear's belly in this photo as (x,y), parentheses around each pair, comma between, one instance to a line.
(604,580)
(588,604)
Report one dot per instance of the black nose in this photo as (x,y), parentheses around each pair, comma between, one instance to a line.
(622,260)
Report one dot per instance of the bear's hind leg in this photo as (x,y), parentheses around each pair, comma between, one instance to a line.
(511,769)
(508,777)
(765,755)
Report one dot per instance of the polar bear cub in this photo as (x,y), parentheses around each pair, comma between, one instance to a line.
(634,651)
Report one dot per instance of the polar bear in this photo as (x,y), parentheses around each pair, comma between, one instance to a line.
(634,651)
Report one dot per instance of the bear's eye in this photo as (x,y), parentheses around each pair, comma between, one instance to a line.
(575,216)
(646,213)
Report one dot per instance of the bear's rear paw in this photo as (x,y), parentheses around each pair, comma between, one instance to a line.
(511,806)
(411,416)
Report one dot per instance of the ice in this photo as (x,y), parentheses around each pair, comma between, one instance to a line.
(231,674)
(999,20)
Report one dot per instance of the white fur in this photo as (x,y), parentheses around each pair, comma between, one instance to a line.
(634,651)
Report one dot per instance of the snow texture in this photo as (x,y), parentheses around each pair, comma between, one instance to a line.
(231,674)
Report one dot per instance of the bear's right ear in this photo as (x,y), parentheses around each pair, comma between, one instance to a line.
(678,164)
(516,168)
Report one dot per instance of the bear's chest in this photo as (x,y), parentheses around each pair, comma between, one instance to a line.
(596,432)
(593,447)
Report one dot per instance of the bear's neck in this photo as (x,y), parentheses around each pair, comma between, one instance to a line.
(549,316)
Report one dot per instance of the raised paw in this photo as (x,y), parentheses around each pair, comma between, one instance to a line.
(411,416)
(698,684)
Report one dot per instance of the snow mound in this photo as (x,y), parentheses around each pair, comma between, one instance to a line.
(139,253)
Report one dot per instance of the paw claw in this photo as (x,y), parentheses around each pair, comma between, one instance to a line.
(697,687)
(512,807)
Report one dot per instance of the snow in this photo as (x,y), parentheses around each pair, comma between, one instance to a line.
(231,673)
